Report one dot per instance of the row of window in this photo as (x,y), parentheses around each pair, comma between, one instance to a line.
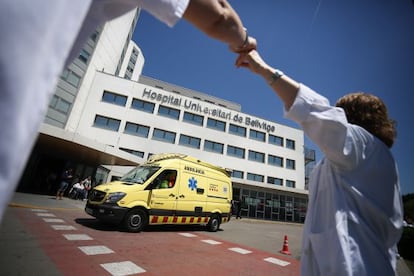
(193,142)
(195,119)
(235,173)
(271,206)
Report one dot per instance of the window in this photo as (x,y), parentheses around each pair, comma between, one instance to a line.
(94,36)
(275,140)
(290,184)
(71,77)
(189,141)
(235,151)
(275,180)
(213,146)
(169,112)
(113,98)
(216,124)
(275,160)
(237,174)
(143,105)
(290,144)
(134,152)
(257,135)
(107,123)
(193,119)
(137,130)
(290,164)
(255,177)
(165,180)
(164,136)
(59,104)
(256,156)
(237,130)
(84,56)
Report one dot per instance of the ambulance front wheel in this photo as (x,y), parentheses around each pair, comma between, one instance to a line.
(214,224)
(135,220)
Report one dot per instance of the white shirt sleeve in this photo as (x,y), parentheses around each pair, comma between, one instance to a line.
(342,143)
(167,11)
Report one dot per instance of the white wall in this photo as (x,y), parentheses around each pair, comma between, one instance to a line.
(94,105)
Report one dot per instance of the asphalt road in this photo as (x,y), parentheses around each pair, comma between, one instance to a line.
(32,246)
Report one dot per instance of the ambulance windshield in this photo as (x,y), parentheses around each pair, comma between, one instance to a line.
(139,175)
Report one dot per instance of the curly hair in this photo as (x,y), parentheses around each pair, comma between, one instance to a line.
(369,111)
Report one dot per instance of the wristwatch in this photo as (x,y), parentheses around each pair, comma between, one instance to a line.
(275,76)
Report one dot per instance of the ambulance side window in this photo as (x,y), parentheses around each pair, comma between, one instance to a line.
(165,180)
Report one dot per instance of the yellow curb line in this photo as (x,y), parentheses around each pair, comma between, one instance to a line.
(41,207)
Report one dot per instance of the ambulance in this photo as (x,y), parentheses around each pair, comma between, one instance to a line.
(166,189)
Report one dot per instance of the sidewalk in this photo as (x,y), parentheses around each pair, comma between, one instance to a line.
(45,202)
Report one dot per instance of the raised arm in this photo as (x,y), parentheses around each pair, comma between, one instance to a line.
(219,20)
(285,87)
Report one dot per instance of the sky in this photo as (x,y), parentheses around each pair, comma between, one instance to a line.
(334,47)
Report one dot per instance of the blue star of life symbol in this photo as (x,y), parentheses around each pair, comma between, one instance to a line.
(192,183)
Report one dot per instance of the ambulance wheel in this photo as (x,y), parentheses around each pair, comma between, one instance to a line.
(213,224)
(135,220)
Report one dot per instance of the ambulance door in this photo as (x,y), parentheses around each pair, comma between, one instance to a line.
(164,193)
(192,195)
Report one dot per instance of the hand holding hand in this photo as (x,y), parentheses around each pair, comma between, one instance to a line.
(250,44)
(252,61)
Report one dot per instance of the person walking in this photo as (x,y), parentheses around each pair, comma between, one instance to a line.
(239,207)
(66,179)
(354,216)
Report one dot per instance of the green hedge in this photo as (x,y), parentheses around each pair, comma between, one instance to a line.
(406,244)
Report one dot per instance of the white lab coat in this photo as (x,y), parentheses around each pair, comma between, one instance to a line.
(354,216)
(36,38)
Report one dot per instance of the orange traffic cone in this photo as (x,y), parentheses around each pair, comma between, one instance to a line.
(285,249)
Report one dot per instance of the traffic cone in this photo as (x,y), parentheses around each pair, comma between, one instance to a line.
(285,249)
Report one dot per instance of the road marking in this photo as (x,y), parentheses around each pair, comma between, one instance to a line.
(45,215)
(95,250)
(122,268)
(213,242)
(77,237)
(276,261)
(240,250)
(63,227)
(39,210)
(188,235)
(53,220)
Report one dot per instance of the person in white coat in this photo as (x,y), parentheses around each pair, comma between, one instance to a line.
(38,38)
(354,216)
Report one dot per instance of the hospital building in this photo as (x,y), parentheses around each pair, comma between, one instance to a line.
(105,117)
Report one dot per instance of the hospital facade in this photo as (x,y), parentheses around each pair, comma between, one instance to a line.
(105,117)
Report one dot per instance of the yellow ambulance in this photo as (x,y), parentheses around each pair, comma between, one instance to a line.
(166,189)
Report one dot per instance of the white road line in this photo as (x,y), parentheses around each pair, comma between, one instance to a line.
(213,242)
(240,250)
(53,220)
(39,210)
(77,237)
(122,268)
(188,235)
(95,250)
(276,261)
(63,227)
(45,215)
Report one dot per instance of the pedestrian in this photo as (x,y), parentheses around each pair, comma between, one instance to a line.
(87,184)
(53,32)
(65,181)
(239,207)
(354,216)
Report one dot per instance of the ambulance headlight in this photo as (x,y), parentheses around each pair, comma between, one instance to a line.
(115,197)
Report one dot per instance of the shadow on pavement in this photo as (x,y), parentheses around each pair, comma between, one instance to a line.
(102,226)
